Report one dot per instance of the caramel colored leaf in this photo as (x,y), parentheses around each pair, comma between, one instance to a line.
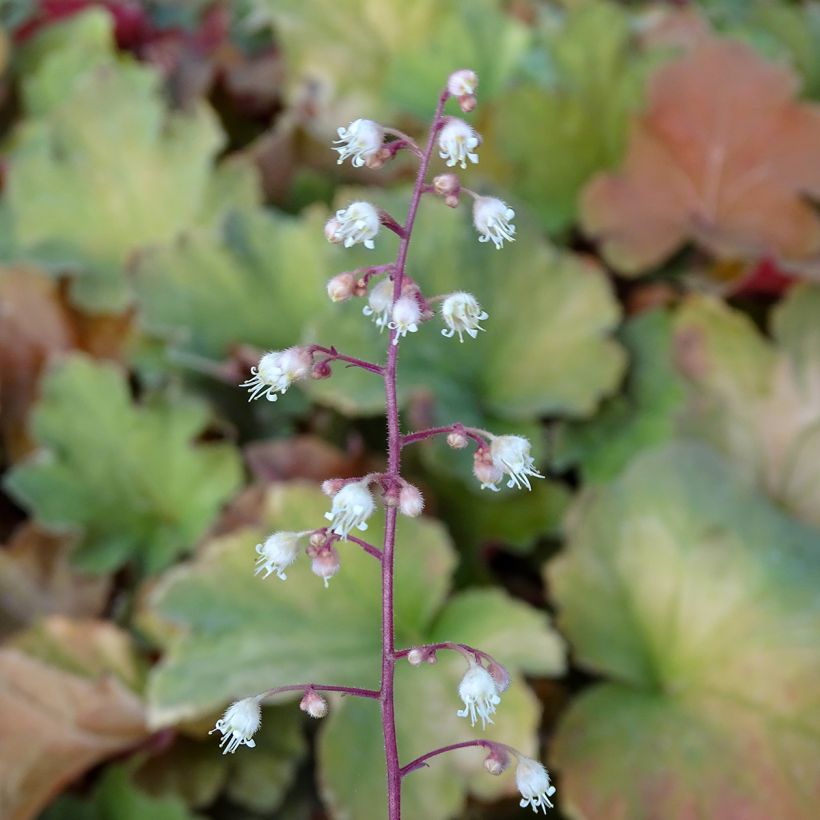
(723,156)
(60,720)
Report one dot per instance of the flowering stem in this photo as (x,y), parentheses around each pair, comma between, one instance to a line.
(368,548)
(300,687)
(471,432)
(333,355)
(394,443)
(461,648)
(484,744)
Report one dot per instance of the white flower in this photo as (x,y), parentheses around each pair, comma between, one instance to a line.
(456,142)
(359,222)
(277,371)
(534,784)
(405,317)
(512,454)
(277,553)
(239,724)
(462,314)
(480,695)
(361,140)
(491,218)
(379,303)
(352,506)
(462,83)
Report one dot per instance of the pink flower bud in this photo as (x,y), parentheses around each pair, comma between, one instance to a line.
(341,287)
(457,440)
(486,470)
(321,370)
(497,761)
(316,540)
(314,704)
(445,184)
(415,657)
(332,231)
(326,563)
(467,103)
(332,486)
(411,501)
(451,200)
(500,675)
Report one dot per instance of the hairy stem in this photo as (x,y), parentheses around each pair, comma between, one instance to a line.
(318,687)
(465,744)
(391,751)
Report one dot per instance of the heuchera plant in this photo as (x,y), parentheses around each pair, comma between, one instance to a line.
(395,302)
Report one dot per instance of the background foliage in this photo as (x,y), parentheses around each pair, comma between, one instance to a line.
(655,330)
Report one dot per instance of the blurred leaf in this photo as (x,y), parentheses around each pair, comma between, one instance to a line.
(255,280)
(356,57)
(758,401)
(699,599)
(36,579)
(547,347)
(116,798)
(723,157)
(644,415)
(127,477)
(59,721)
(100,168)
(554,131)
(252,635)
(192,770)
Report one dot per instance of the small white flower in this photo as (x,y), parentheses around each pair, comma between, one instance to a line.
(462,83)
(462,314)
(359,222)
(533,782)
(239,724)
(480,695)
(361,140)
(456,142)
(277,553)
(512,454)
(405,317)
(277,371)
(379,303)
(492,218)
(352,506)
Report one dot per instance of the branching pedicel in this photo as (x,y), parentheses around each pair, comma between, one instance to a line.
(395,302)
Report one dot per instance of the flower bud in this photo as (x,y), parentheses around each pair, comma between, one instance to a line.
(321,370)
(486,470)
(500,675)
(451,200)
(314,704)
(415,657)
(332,227)
(316,540)
(332,486)
(341,287)
(411,501)
(445,184)
(497,761)
(457,440)
(326,564)
(467,103)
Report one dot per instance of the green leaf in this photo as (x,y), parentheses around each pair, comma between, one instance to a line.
(551,133)
(99,167)
(128,477)
(645,414)
(235,634)
(756,400)
(698,599)
(547,345)
(116,798)
(360,54)
(255,280)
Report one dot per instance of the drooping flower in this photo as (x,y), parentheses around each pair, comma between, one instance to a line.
(352,506)
(277,553)
(462,314)
(512,454)
(361,140)
(480,695)
(486,469)
(533,782)
(359,222)
(277,371)
(326,563)
(411,501)
(456,142)
(379,303)
(462,83)
(405,317)
(239,724)
(492,219)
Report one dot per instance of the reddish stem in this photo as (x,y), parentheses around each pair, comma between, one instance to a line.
(484,744)
(333,355)
(461,648)
(301,687)
(422,435)
(368,548)
(394,443)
